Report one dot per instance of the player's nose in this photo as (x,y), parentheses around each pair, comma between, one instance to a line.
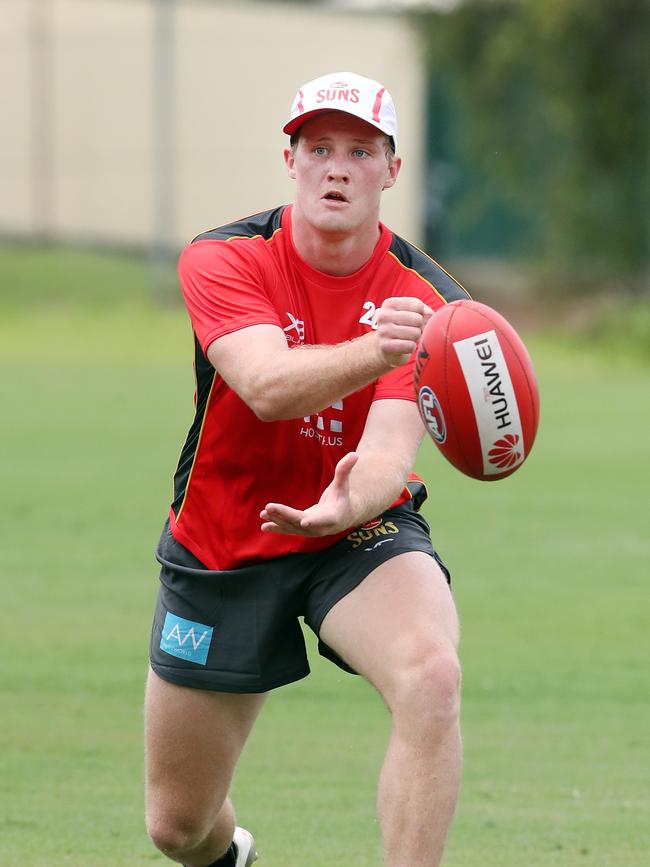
(338,168)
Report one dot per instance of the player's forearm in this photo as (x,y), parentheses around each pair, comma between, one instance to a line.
(376,481)
(280,383)
(305,380)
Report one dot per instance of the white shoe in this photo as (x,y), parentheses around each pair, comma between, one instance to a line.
(245,846)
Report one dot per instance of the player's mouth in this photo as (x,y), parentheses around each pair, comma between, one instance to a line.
(335,197)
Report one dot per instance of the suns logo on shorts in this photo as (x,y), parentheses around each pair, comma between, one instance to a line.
(372,530)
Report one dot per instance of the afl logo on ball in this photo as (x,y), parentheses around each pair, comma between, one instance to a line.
(431,412)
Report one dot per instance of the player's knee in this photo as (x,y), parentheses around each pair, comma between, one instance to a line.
(428,694)
(175,833)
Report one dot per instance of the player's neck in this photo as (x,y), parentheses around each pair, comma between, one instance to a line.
(338,254)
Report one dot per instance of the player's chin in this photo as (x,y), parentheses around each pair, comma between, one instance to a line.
(334,222)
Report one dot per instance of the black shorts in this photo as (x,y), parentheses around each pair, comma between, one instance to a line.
(238,630)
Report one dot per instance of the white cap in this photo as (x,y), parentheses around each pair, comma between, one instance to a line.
(348,92)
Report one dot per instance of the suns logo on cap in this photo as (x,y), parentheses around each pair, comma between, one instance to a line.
(336,92)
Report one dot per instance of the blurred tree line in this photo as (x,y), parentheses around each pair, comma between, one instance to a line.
(539,135)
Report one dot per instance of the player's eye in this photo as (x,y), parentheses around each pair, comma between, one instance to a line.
(360,153)
(320,150)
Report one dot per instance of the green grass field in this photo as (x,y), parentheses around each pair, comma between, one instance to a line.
(551,572)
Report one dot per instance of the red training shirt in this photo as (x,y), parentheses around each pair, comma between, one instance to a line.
(232,464)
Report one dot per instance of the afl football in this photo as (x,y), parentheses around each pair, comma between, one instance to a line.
(476,390)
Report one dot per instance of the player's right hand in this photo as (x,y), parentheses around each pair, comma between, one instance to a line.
(400,323)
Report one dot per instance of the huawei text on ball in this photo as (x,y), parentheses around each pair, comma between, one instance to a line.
(493,380)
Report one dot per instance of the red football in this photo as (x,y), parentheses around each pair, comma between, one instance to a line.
(476,390)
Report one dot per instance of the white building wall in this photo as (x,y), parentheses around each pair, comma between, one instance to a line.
(91,174)
(15,120)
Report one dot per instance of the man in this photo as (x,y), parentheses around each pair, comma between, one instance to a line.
(294,494)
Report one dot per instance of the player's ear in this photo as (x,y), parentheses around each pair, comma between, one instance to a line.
(394,165)
(290,162)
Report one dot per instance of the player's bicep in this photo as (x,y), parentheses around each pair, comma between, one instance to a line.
(393,427)
(242,357)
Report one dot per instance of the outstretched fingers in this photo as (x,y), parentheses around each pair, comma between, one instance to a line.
(278,518)
(326,517)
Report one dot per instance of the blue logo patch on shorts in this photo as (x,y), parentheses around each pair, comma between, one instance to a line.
(186,639)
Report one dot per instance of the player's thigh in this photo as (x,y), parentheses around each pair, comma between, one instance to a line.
(193,739)
(399,616)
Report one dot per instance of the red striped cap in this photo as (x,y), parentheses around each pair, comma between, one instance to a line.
(347,92)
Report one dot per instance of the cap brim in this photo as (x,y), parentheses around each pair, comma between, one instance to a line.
(295,123)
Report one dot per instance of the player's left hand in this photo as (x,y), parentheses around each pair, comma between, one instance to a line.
(330,515)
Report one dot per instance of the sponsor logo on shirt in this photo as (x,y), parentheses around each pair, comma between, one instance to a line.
(186,639)
(295,330)
(325,430)
(371,532)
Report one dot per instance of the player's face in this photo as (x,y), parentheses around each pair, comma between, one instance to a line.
(340,164)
